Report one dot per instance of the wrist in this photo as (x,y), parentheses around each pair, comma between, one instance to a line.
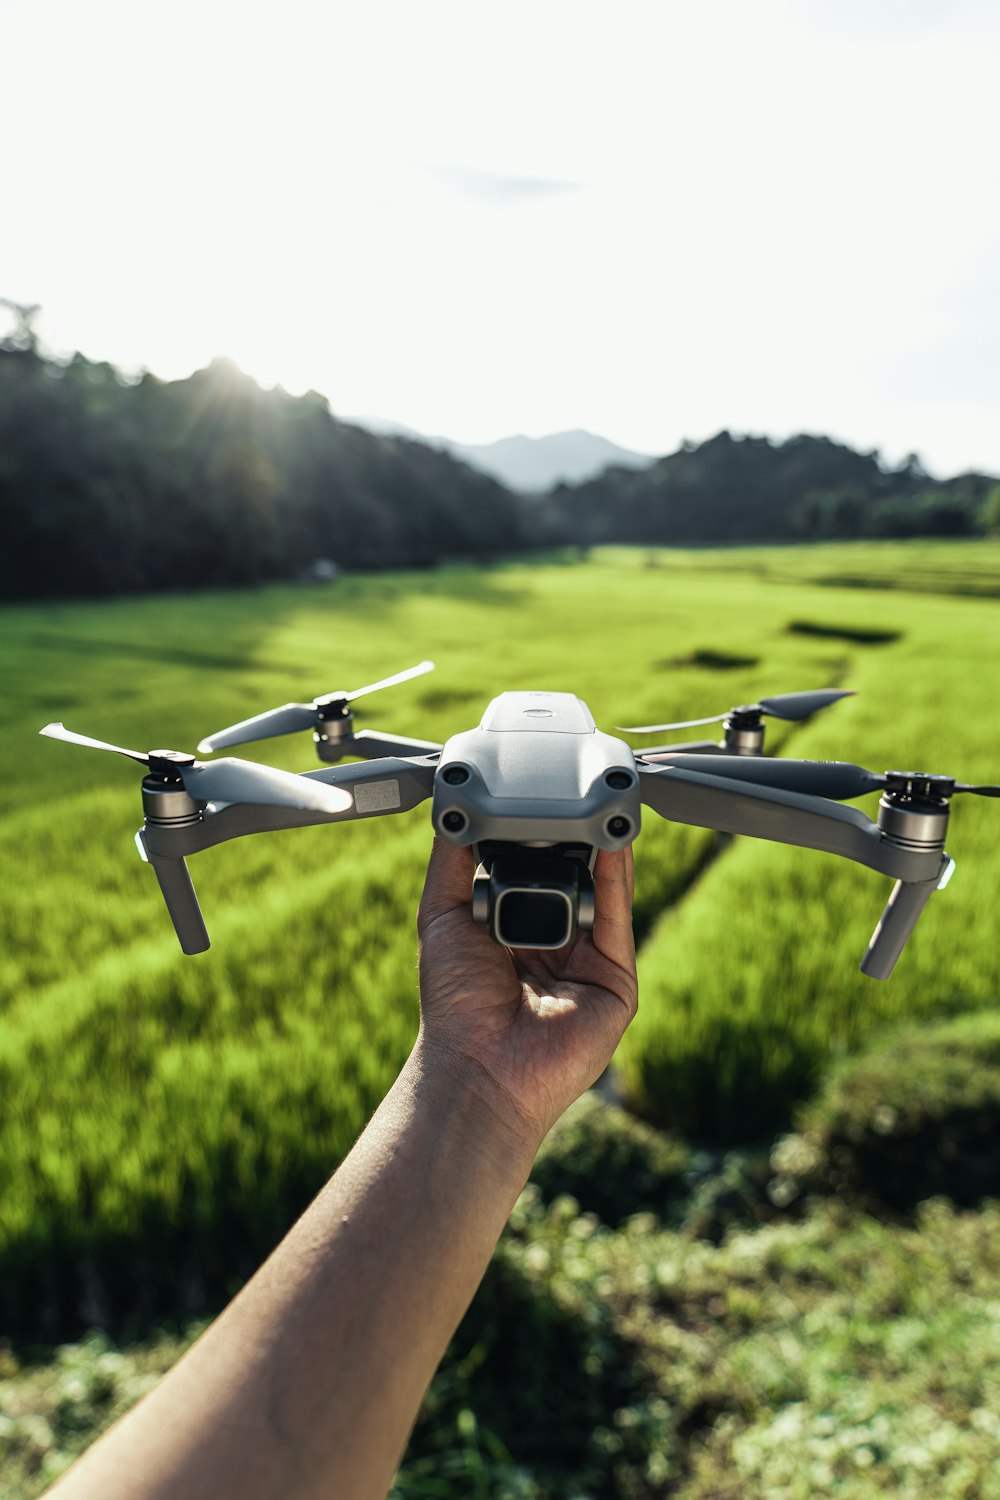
(465,1095)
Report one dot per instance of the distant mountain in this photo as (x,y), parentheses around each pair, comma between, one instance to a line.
(533,464)
(527,464)
(386,427)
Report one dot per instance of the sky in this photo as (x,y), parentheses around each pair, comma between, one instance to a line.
(652,220)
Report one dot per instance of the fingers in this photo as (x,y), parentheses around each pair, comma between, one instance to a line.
(614,882)
(449,881)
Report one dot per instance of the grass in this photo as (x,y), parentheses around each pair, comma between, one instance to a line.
(751,985)
(164,1112)
(165,1118)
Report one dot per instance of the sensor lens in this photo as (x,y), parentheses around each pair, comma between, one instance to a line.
(453,822)
(618,827)
(533,919)
(455,775)
(618,781)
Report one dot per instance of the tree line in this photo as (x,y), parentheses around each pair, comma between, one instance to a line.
(749,489)
(110,484)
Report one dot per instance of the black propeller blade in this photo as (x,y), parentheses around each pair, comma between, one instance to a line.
(226,780)
(840,780)
(291,717)
(789,706)
(796,706)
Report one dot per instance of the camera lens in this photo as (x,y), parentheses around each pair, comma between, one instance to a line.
(534,919)
(455,775)
(618,781)
(454,822)
(618,827)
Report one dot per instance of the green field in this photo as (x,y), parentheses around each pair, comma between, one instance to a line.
(165,1118)
(152,1096)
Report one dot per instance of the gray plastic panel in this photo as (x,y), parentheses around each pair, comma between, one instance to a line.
(536,772)
(544,713)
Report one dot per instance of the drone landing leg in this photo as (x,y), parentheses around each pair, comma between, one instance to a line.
(182,903)
(902,912)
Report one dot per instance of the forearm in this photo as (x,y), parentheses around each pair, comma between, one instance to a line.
(309,1383)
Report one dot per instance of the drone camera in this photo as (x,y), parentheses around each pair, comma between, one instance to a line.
(534,919)
(532,898)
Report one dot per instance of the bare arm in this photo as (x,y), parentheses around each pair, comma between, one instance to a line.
(309,1383)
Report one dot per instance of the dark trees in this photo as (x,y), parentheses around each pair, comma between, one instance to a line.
(731,489)
(109,485)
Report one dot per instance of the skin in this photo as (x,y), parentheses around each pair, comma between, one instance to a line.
(308,1384)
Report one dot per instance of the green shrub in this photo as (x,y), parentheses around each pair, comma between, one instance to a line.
(540,1395)
(832,1356)
(836,1357)
(612,1164)
(914,1117)
(56,1404)
(734,1192)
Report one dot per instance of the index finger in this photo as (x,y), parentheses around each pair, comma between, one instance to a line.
(448,883)
(614,881)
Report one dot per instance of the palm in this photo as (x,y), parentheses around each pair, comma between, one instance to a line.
(541,1025)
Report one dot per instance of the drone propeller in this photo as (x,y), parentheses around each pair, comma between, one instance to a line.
(839,780)
(790,706)
(294,716)
(226,780)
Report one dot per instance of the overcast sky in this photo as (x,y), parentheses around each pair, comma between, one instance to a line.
(651,220)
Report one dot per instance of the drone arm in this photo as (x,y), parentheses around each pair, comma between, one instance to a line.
(782,817)
(811,822)
(179,895)
(384,784)
(392,785)
(660,754)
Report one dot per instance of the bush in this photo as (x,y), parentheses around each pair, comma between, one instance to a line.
(915,1117)
(734,1192)
(616,1166)
(612,1164)
(540,1397)
(835,1357)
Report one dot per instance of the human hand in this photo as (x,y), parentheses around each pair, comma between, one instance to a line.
(532,1027)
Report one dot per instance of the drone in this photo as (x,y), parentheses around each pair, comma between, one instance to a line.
(537,790)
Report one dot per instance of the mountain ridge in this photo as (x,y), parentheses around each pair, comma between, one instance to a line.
(525,464)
